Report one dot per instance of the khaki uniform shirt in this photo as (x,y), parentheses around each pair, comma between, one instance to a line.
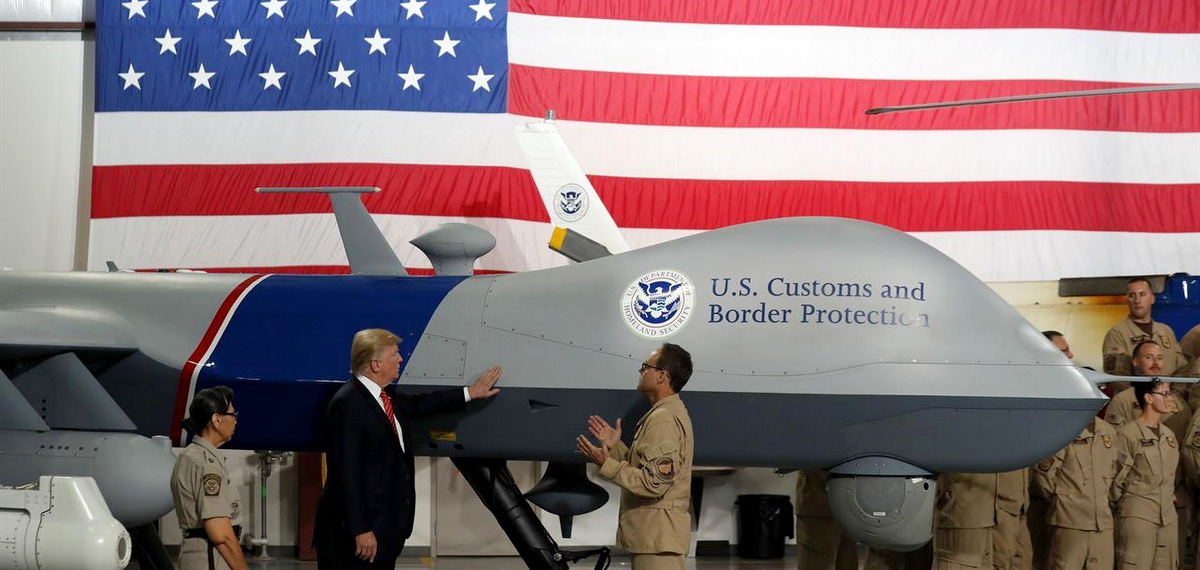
(1123,409)
(811,498)
(1125,335)
(966,500)
(201,488)
(1012,491)
(1190,346)
(1190,452)
(1078,479)
(1145,487)
(655,476)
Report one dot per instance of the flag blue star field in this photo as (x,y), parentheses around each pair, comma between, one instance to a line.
(222,55)
(686,117)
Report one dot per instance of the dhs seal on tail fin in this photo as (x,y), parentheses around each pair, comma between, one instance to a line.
(570,202)
(658,303)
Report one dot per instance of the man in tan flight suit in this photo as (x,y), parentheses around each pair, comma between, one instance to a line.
(1144,490)
(1011,546)
(966,513)
(655,472)
(1077,483)
(1139,326)
(1190,458)
(820,543)
(1148,359)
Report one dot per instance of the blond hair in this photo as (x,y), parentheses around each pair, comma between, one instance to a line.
(369,345)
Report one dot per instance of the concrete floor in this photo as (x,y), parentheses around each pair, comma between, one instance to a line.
(514,563)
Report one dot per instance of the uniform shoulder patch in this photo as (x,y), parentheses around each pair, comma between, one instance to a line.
(1196,440)
(211,484)
(665,468)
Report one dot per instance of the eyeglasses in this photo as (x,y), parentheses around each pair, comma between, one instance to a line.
(646,365)
(235,414)
(1163,394)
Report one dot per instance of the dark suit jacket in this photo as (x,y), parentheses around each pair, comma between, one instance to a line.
(369,483)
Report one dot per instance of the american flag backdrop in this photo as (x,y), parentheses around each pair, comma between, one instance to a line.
(687,116)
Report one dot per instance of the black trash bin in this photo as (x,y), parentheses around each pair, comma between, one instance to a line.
(763,522)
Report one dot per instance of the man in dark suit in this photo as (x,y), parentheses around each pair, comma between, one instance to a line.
(366,511)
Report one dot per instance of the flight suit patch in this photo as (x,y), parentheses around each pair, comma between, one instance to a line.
(665,467)
(1107,441)
(211,484)
(1045,464)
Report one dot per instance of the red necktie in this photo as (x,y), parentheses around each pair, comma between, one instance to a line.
(387,407)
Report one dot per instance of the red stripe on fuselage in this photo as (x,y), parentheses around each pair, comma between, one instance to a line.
(206,342)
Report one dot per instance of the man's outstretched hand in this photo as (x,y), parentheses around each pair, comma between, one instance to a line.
(484,386)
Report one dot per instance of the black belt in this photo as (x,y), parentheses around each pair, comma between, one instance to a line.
(201,533)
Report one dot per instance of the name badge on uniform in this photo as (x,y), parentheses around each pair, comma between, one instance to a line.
(1107,441)
(1148,443)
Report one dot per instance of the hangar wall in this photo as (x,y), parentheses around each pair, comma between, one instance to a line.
(45,149)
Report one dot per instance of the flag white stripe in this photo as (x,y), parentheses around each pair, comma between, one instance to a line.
(639,151)
(848,52)
(312,239)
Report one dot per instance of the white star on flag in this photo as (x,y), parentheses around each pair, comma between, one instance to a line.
(132,78)
(139,7)
(168,43)
(344,7)
(481,81)
(205,8)
(308,43)
(446,45)
(201,77)
(342,75)
(378,43)
(411,79)
(482,10)
(271,78)
(413,7)
(274,8)
(237,43)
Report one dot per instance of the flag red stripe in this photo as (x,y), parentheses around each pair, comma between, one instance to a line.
(606,97)
(201,190)
(1166,16)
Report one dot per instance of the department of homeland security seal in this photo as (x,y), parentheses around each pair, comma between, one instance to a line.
(658,303)
(570,202)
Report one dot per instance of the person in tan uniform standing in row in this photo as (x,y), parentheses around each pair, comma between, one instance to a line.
(1147,361)
(1011,545)
(1139,326)
(655,472)
(1077,484)
(820,542)
(1190,458)
(965,515)
(207,502)
(1144,490)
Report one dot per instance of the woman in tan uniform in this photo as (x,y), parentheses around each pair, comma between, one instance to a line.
(206,501)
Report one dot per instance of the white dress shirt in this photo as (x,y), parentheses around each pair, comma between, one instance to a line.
(375,391)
